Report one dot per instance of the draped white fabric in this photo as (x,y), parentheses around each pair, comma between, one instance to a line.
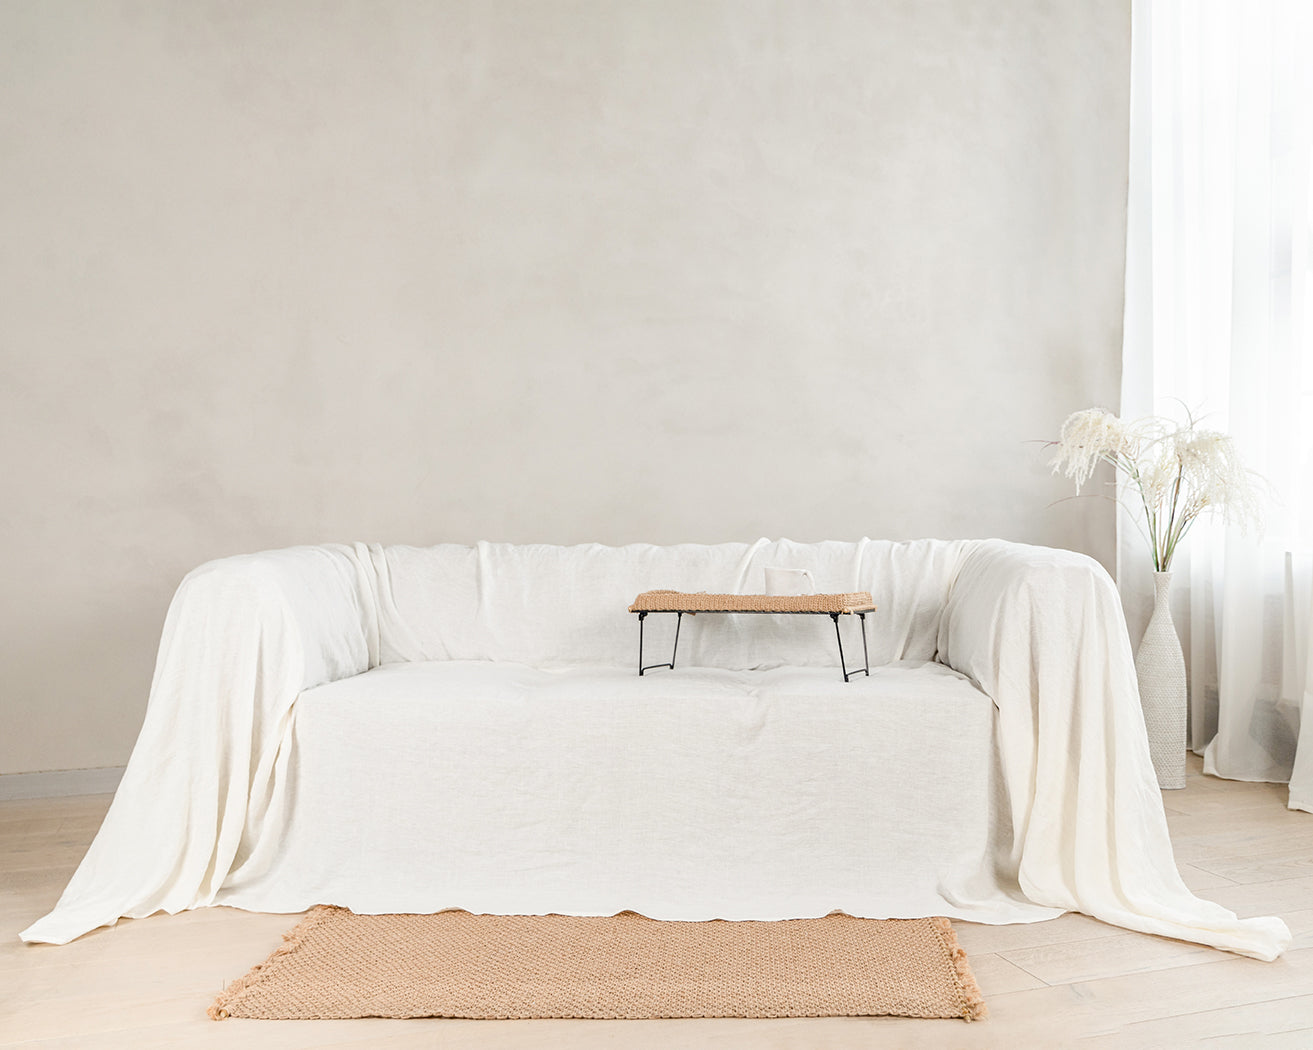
(1218,288)
(297,697)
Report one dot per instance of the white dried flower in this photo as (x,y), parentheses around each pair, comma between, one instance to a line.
(1088,438)
(1214,478)
(1179,472)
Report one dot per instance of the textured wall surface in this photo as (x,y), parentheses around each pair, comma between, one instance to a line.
(664,270)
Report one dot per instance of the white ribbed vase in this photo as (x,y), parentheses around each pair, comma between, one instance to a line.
(1160,668)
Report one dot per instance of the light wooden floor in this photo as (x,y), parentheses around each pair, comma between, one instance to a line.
(1069,981)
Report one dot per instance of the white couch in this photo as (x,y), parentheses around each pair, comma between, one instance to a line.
(404,729)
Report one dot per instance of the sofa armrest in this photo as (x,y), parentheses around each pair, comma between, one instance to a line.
(1041,632)
(242,638)
(315,605)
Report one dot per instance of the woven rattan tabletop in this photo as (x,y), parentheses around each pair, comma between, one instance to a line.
(684,601)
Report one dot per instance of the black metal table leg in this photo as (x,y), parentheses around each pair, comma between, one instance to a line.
(839,638)
(843,666)
(641,617)
(674,651)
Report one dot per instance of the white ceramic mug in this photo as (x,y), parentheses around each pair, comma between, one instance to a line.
(789,581)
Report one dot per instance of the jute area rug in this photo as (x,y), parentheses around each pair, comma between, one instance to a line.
(336,964)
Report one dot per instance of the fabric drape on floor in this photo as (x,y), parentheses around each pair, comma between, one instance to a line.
(1217,323)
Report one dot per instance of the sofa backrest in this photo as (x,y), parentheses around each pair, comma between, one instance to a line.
(553,606)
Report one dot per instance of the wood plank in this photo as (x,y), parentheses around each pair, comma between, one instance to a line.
(23,866)
(997,976)
(138,944)
(1262,868)
(78,806)
(1253,1024)
(27,895)
(1209,795)
(1196,879)
(1263,898)
(1256,843)
(1121,953)
(1294,1040)
(829,1033)
(1301,927)
(31,826)
(1257,819)
(1105,1005)
(975,937)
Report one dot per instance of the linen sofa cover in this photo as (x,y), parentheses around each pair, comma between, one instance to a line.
(703,794)
(1039,631)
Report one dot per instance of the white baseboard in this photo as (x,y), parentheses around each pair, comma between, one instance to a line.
(59,783)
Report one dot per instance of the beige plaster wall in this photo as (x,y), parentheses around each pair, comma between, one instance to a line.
(613,270)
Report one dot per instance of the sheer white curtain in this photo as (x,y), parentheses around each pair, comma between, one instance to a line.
(1219,292)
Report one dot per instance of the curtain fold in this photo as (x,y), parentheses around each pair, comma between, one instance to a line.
(1218,286)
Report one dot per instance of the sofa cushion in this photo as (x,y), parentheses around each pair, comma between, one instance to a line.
(567,606)
(694,794)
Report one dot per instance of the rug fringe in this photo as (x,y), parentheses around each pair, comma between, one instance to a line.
(292,941)
(973,1006)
